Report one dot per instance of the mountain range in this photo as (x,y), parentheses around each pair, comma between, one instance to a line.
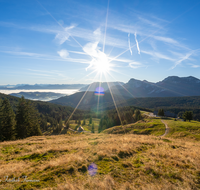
(42,86)
(172,86)
(104,85)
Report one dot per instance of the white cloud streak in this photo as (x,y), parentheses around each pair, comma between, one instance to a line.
(129,43)
(158,55)
(135,65)
(138,48)
(182,59)
(62,36)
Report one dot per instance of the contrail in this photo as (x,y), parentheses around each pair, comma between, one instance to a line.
(129,43)
(138,48)
(156,31)
(105,27)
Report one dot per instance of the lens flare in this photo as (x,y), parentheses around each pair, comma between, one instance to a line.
(99,91)
(92,169)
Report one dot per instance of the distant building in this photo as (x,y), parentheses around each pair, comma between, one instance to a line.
(80,129)
(152,115)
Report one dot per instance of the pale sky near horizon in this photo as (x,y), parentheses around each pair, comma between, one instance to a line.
(68,42)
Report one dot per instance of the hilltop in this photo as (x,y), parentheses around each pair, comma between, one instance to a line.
(123,162)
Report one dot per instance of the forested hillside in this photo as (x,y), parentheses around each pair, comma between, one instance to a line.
(49,115)
(172,104)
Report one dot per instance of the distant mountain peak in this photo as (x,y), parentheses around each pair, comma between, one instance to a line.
(176,79)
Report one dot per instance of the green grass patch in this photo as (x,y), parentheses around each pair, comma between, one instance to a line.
(148,126)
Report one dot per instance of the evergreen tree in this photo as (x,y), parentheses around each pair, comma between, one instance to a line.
(92,128)
(79,122)
(7,121)
(67,125)
(161,112)
(27,119)
(83,123)
(60,126)
(137,115)
(90,120)
(188,115)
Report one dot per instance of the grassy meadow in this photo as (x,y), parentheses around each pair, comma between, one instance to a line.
(132,156)
(148,126)
(123,162)
(182,129)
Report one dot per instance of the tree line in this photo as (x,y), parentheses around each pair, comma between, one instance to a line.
(111,117)
(23,124)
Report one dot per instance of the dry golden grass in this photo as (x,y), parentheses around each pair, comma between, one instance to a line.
(124,162)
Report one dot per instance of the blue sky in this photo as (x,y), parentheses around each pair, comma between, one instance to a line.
(68,42)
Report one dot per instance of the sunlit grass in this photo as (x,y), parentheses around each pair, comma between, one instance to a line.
(184,129)
(124,162)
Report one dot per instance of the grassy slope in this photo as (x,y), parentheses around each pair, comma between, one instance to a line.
(148,126)
(181,129)
(134,161)
(154,126)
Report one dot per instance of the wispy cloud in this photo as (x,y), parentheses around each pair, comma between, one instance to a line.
(181,60)
(129,43)
(62,36)
(194,66)
(150,22)
(158,55)
(135,65)
(46,56)
(63,53)
(138,48)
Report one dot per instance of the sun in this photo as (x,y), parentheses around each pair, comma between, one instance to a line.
(101,63)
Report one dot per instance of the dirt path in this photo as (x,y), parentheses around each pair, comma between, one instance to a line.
(166,129)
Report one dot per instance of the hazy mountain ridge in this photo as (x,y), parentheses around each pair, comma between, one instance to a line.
(104,85)
(90,101)
(42,96)
(171,86)
(43,86)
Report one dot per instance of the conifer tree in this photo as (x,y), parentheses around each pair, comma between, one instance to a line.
(188,115)
(79,122)
(27,119)
(67,125)
(60,126)
(83,123)
(161,112)
(92,128)
(137,115)
(7,121)
(90,120)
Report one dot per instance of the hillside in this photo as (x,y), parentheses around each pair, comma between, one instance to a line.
(90,101)
(154,126)
(122,161)
(173,104)
(49,112)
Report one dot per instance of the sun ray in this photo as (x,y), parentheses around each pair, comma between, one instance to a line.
(124,87)
(62,27)
(105,28)
(114,101)
(99,92)
(78,103)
